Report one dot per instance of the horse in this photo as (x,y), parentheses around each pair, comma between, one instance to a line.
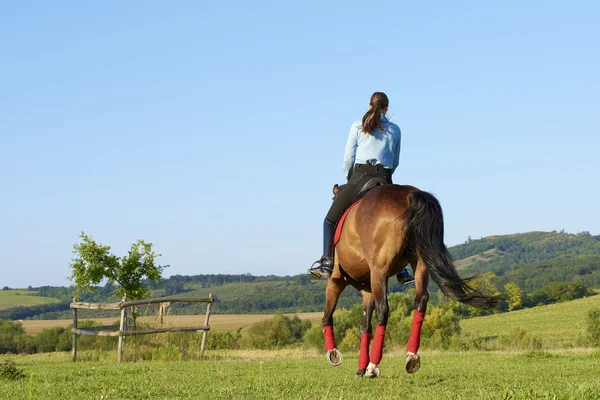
(390,227)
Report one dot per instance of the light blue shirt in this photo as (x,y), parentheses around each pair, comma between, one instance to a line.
(380,147)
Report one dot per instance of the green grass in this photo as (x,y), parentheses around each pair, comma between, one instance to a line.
(559,325)
(15,298)
(469,375)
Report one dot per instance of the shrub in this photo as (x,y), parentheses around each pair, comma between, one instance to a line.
(227,340)
(49,340)
(272,333)
(13,338)
(9,370)
(593,326)
(351,341)
(519,338)
(313,337)
(440,326)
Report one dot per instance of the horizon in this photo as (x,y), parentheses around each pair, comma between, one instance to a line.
(166,276)
(216,131)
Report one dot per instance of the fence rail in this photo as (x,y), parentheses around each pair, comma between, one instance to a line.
(123,306)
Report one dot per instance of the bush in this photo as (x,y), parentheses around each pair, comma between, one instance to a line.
(13,338)
(593,326)
(313,337)
(9,370)
(273,333)
(223,340)
(351,341)
(519,338)
(440,326)
(50,340)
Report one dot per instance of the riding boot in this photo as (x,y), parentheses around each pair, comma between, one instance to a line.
(327,259)
(405,276)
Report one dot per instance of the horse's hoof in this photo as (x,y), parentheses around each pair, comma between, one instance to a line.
(413,363)
(334,357)
(360,372)
(372,371)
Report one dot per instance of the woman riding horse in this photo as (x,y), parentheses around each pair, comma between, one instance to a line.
(372,155)
(392,226)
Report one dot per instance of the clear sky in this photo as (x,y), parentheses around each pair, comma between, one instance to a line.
(215,130)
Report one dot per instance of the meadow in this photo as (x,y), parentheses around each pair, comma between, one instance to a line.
(559,325)
(297,374)
(560,368)
(25,298)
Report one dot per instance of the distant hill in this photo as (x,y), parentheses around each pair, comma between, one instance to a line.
(10,298)
(532,260)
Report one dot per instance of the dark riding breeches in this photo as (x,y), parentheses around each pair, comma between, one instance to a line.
(361,175)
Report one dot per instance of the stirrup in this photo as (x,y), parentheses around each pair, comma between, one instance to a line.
(319,271)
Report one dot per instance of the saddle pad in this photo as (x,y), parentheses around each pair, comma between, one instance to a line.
(340,224)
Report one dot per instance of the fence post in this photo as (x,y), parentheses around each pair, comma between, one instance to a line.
(121,330)
(210,296)
(74,343)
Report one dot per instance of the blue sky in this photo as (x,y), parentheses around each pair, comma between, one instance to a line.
(215,131)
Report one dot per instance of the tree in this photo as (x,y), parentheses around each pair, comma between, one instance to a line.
(94,263)
(515,296)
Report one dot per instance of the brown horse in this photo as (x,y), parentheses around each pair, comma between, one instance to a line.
(391,227)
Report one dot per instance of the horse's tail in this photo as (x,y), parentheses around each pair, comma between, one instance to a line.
(426,230)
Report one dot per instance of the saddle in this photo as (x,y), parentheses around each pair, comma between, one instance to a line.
(370,184)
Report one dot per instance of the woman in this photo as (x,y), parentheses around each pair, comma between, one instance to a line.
(372,151)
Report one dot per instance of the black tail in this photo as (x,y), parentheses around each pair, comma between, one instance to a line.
(426,231)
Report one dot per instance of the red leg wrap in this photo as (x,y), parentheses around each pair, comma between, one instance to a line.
(363,357)
(328,336)
(415,333)
(377,349)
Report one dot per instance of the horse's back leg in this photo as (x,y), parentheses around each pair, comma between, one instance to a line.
(413,362)
(366,329)
(335,287)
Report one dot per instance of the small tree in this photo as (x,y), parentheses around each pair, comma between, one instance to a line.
(94,263)
(515,296)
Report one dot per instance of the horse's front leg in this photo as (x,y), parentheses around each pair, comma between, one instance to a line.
(366,329)
(413,362)
(379,287)
(335,287)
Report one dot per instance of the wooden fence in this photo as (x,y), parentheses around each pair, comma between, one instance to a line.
(123,307)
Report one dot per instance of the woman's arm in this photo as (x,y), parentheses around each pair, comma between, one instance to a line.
(397,151)
(350,154)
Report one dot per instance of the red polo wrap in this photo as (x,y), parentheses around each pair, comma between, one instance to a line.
(363,358)
(415,333)
(377,349)
(328,336)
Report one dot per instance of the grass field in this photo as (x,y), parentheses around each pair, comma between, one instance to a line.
(285,375)
(559,325)
(217,322)
(294,373)
(15,298)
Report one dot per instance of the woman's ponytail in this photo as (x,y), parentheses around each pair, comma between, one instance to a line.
(372,118)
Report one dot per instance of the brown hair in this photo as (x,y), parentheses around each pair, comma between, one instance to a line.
(372,118)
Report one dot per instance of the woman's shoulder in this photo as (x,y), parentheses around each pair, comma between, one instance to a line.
(393,126)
